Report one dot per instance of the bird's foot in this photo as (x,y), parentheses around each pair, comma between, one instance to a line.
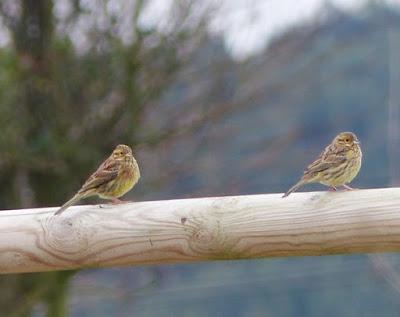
(117,201)
(332,189)
(347,187)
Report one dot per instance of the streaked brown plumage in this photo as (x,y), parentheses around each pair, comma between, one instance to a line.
(336,166)
(114,178)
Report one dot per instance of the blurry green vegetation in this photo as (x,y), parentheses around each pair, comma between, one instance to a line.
(64,106)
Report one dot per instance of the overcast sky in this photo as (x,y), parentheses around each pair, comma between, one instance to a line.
(247,25)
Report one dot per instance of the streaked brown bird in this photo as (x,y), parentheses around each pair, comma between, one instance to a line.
(336,166)
(113,179)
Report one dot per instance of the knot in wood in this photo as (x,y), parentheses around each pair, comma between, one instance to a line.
(208,238)
(67,236)
(203,236)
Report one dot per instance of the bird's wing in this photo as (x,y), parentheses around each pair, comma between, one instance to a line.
(330,157)
(107,172)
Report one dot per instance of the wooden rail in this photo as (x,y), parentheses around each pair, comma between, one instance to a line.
(202,229)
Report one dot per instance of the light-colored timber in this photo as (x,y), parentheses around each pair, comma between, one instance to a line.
(201,229)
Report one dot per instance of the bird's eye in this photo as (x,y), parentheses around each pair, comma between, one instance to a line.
(347,140)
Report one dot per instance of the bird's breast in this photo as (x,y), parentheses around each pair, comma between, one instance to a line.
(129,177)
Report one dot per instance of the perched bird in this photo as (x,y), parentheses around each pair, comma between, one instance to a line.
(114,178)
(336,166)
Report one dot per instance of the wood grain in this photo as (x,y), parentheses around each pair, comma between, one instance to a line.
(203,229)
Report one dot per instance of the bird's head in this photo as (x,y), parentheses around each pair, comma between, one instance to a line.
(121,151)
(347,139)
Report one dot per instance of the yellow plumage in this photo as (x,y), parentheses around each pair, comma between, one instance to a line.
(336,166)
(115,177)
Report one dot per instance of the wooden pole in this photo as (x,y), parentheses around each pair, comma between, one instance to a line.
(202,229)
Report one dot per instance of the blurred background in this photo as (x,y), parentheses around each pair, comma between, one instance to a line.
(216,98)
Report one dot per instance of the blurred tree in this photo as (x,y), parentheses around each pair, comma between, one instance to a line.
(77,78)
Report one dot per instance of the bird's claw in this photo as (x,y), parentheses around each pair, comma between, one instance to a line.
(117,201)
(347,187)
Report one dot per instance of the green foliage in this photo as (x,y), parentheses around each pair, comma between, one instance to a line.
(64,106)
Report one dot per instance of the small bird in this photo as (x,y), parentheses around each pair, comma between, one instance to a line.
(114,178)
(336,166)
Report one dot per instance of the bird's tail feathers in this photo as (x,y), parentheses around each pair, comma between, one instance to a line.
(295,187)
(69,203)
